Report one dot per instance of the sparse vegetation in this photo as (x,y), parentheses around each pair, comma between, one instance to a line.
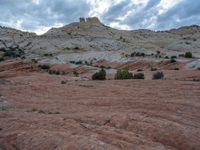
(166,57)
(138,76)
(196,79)
(176,69)
(44,66)
(1,59)
(78,62)
(139,70)
(76,74)
(173,57)
(42,111)
(188,55)
(76,48)
(187,43)
(153,69)
(63,82)
(123,75)
(4,82)
(181,55)
(158,75)
(48,54)
(101,75)
(172,60)
(34,61)
(137,54)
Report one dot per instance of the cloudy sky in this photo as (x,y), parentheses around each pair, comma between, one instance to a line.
(40,15)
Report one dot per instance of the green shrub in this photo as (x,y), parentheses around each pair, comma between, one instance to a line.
(101,75)
(138,76)
(123,74)
(188,55)
(158,75)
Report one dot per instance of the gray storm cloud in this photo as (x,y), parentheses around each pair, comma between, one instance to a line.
(28,15)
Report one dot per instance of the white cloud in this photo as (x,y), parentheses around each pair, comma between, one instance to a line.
(117,25)
(166,5)
(37,2)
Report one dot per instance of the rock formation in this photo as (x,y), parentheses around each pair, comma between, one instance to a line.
(90,20)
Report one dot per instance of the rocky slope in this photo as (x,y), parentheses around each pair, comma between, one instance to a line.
(90,37)
(56,106)
(38,112)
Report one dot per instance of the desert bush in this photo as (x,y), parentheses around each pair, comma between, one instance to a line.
(166,57)
(63,82)
(44,66)
(172,60)
(13,52)
(123,74)
(196,79)
(102,67)
(57,72)
(101,75)
(34,61)
(158,52)
(108,67)
(181,55)
(188,55)
(138,54)
(153,69)
(48,54)
(176,69)
(139,70)
(78,62)
(173,57)
(158,75)
(72,62)
(76,74)
(138,76)
(1,59)
(76,48)
(41,111)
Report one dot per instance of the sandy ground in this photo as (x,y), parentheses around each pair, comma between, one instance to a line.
(38,112)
